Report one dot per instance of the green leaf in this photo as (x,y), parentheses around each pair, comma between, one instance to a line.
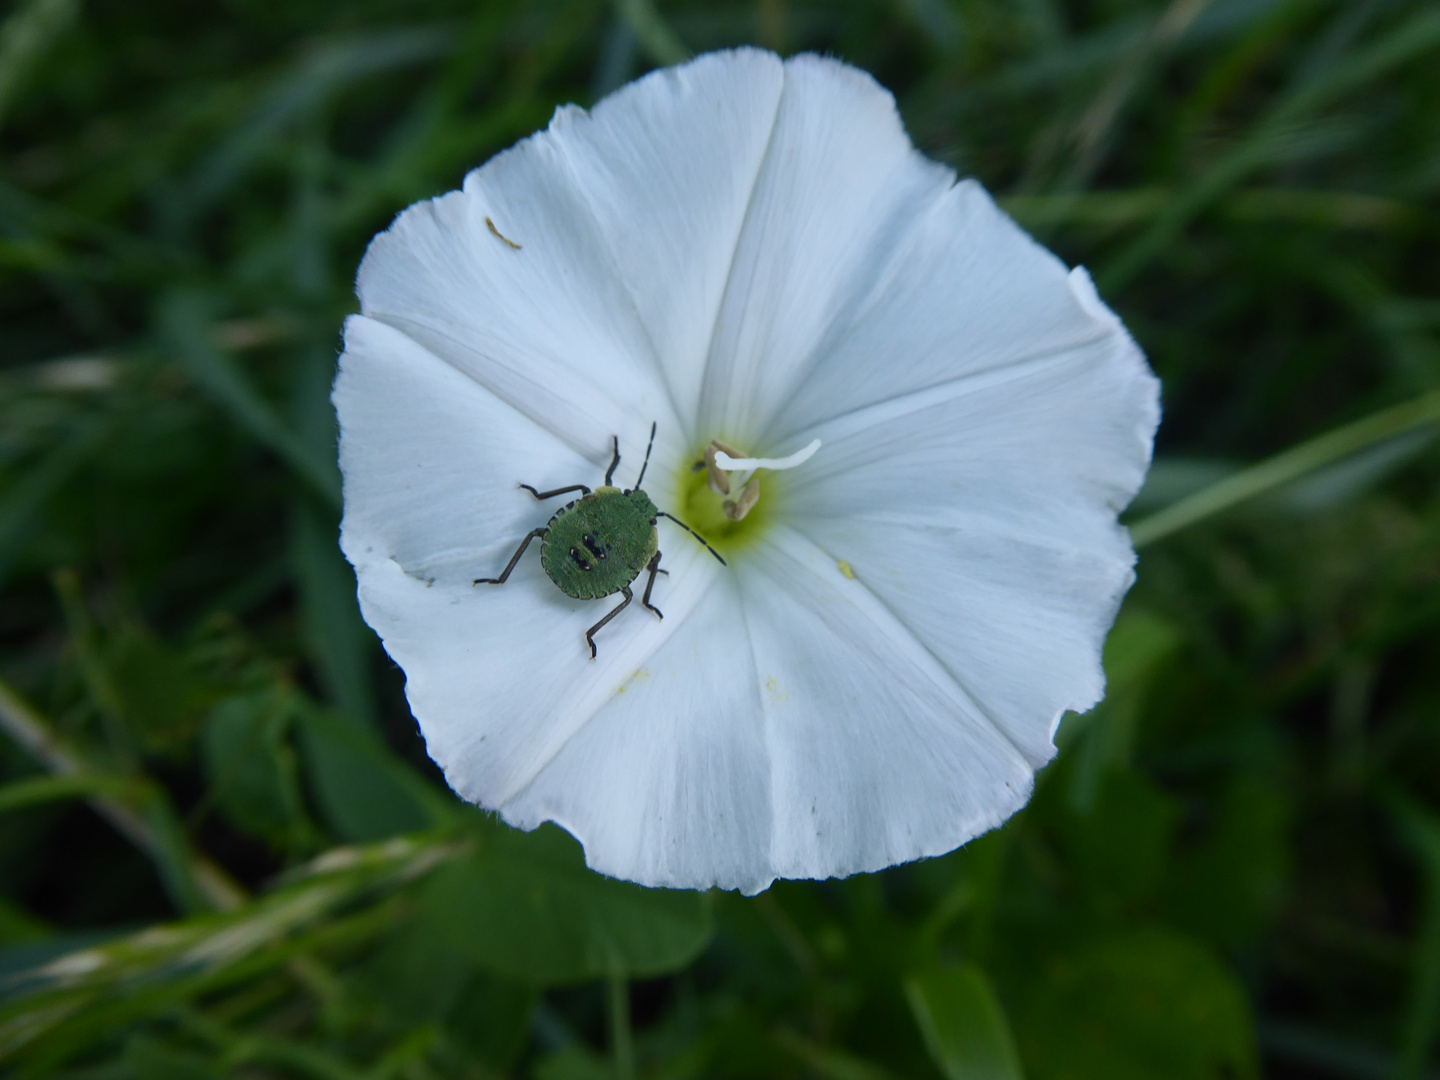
(491,1017)
(25,36)
(363,791)
(1102,740)
(38,947)
(339,642)
(54,1012)
(189,331)
(1422,1015)
(42,789)
(18,926)
(574,1063)
(1291,465)
(158,690)
(1119,846)
(418,973)
(1230,881)
(26,497)
(1138,643)
(250,765)
(963,1024)
(828,1061)
(153,1060)
(1137,1006)
(327,67)
(655,37)
(526,907)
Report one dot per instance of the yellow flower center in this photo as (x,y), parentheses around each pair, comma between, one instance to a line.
(725,498)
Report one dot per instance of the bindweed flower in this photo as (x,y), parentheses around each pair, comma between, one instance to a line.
(750,255)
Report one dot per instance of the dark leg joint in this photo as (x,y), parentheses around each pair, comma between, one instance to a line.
(531,535)
(654,567)
(590,634)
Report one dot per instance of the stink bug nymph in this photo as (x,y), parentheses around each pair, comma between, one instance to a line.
(597,545)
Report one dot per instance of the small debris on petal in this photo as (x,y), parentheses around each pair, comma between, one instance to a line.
(491,226)
(846,569)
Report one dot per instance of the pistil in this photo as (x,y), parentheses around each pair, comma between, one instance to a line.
(729,469)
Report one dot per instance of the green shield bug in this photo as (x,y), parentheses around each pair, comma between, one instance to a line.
(597,545)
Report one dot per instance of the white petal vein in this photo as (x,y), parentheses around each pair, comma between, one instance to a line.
(938,671)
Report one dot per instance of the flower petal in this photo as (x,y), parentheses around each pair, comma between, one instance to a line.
(791,728)
(877,756)
(549,328)
(625,219)
(982,512)
(669,782)
(839,182)
(478,365)
(499,676)
(965,292)
(432,461)
(666,165)
(865,271)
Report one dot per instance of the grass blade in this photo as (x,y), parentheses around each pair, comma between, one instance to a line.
(1287,466)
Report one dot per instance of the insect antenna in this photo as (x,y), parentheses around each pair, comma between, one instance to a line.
(646,462)
(693,533)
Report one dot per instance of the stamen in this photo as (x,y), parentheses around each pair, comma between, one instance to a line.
(736,509)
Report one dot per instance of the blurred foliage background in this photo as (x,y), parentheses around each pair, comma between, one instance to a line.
(223,852)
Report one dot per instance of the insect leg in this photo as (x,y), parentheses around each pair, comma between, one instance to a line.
(557,491)
(589,634)
(531,535)
(654,567)
(611,470)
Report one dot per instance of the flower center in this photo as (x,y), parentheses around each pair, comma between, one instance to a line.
(723,493)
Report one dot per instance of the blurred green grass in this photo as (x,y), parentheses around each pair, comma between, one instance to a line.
(1234,866)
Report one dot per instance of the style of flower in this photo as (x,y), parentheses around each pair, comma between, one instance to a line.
(750,254)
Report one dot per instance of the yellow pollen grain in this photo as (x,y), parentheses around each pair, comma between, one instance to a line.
(846,569)
(636,676)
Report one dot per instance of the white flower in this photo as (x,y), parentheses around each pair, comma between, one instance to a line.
(752,251)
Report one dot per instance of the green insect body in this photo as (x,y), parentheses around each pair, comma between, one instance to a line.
(598,544)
